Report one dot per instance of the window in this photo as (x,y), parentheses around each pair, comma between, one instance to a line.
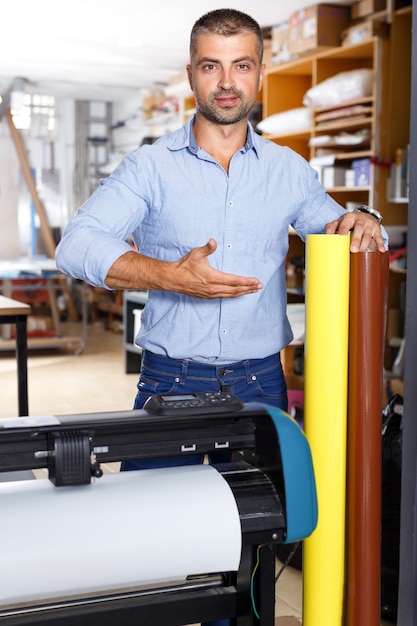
(34,112)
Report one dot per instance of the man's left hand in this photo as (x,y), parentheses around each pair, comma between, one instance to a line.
(365,231)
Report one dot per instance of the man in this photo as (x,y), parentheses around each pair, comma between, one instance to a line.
(209,208)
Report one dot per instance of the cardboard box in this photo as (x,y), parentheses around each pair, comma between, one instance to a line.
(267,58)
(280,39)
(40,326)
(362,169)
(318,26)
(367,7)
(37,326)
(333,176)
(350,178)
(363,31)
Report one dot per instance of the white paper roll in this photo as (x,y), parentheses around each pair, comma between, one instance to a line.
(126,530)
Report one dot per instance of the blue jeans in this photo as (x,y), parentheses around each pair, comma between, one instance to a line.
(253,380)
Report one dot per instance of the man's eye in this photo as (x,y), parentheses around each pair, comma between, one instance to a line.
(208,67)
(243,66)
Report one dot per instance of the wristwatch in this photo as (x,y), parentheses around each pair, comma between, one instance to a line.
(363,208)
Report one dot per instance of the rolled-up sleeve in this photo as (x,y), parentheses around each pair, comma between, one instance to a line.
(97,235)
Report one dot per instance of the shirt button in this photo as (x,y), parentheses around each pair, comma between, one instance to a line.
(230,202)
(224,331)
(229,246)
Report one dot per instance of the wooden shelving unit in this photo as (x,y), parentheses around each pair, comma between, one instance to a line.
(385,115)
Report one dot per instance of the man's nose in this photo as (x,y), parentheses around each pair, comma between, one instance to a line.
(226,80)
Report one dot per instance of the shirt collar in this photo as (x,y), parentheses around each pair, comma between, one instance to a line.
(184,138)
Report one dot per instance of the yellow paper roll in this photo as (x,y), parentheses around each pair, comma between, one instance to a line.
(326,372)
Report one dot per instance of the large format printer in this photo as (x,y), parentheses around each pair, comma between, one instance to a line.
(165,546)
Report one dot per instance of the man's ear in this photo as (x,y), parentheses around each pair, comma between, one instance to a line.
(190,75)
(261,76)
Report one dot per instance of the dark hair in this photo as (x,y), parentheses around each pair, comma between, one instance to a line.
(226,22)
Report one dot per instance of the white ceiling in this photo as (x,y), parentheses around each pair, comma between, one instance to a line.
(76,48)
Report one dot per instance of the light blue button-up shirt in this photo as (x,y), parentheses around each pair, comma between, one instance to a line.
(171,197)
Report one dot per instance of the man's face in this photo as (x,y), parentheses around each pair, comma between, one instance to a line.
(225,75)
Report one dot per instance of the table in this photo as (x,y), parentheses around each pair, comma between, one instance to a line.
(40,273)
(14,312)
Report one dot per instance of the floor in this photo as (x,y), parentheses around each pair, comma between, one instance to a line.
(62,382)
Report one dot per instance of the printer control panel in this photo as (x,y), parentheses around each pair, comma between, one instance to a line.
(193,403)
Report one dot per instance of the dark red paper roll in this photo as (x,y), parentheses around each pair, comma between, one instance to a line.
(367,317)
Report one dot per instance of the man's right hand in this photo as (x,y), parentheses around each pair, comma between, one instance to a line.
(192,275)
(199,279)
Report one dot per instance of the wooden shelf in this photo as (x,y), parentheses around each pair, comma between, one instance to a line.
(302,134)
(345,104)
(286,85)
(340,189)
(357,154)
(45,343)
(345,125)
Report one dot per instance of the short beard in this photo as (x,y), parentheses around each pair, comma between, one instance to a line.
(225,115)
